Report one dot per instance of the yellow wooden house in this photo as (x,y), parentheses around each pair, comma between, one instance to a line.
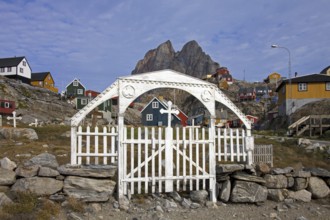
(43,80)
(294,93)
(273,78)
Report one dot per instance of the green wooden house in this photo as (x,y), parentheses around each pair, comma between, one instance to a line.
(75,89)
(82,101)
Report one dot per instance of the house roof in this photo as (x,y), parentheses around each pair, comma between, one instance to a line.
(324,71)
(9,62)
(312,78)
(39,76)
(75,79)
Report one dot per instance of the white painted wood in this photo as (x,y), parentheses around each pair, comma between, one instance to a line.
(197,158)
(14,118)
(88,144)
(145,158)
(231,144)
(139,159)
(132,159)
(96,150)
(79,144)
(160,158)
(184,166)
(177,159)
(153,155)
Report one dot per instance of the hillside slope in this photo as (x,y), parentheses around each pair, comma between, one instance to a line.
(35,103)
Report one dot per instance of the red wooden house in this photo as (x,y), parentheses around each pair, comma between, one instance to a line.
(7,107)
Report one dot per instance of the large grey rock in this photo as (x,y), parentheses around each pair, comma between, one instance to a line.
(319,172)
(88,189)
(16,133)
(175,196)
(7,177)
(199,196)
(276,181)
(6,163)
(300,183)
(263,168)
(301,173)
(246,177)
(27,171)
(277,195)
(225,190)
(4,199)
(248,192)
(44,159)
(95,171)
(38,185)
(301,195)
(278,171)
(229,168)
(318,188)
(48,172)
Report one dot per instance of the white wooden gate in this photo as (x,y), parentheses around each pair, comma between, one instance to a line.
(149,169)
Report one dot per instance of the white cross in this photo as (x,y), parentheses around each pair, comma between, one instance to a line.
(35,123)
(14,118)
(170,111)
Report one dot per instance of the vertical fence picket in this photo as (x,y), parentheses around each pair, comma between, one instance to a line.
(153,143)
(105,145)
(197,157)
(177,158)
(146,159)
(96,150)
(238,152)
(225,143)
(204,157)
(132,159)
(139,159)
(184,167)
(218,140)
(79,144)
(243,144)
(190,159)
(160,159)
(88,144)
(231,145)
(113,143)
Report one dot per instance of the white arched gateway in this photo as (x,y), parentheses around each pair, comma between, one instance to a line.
(156,156)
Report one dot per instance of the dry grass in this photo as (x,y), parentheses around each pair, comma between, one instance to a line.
(75,205)
(28,206)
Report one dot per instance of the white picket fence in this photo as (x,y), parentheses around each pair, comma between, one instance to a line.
(263,153)
(145,155)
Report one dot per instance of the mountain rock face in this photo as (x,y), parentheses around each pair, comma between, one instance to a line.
(191,60)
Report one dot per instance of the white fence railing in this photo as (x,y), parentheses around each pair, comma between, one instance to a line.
(230,145)
(193,149)
(263,153)
(95,145)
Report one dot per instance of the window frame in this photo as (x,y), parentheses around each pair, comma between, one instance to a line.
(302,87)
(7,105)
(24,63)
(75,83)
(155,104)
(84,101)
(8,69)
(21,70)
(327,86)
(80,91)
(149,117)
(2,69)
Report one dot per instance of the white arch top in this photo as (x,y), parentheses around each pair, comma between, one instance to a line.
(130,87)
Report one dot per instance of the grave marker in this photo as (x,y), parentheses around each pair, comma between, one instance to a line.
(14,118)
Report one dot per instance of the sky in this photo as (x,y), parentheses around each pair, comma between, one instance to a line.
(98,41)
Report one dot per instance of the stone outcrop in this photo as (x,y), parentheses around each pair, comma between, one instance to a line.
(88,189)
(7,177)
(16,133)
(39,185)
(190,60)
(244,191)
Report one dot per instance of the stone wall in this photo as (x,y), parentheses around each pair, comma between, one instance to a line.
(43,176)
(242,183)
(236,183)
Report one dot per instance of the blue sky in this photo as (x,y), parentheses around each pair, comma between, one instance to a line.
(98,41)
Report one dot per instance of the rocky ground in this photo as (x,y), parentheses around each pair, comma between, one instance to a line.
(153,207)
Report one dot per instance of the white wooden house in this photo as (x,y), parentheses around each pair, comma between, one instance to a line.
(16,68)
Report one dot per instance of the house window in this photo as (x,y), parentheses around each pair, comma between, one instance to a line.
(80,91)
(84,101)
(149,117)
(40,83)
(8,69)
(21,70)
(155,105)
(2,69)
(7,105)
(24,63)
(327,86)
(302,87)
(75,83)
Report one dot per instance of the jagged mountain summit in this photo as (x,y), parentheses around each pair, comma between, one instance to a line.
(191,60)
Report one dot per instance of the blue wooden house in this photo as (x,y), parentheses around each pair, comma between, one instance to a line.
(151,115)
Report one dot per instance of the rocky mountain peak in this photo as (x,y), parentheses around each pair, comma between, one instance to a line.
(191,60)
